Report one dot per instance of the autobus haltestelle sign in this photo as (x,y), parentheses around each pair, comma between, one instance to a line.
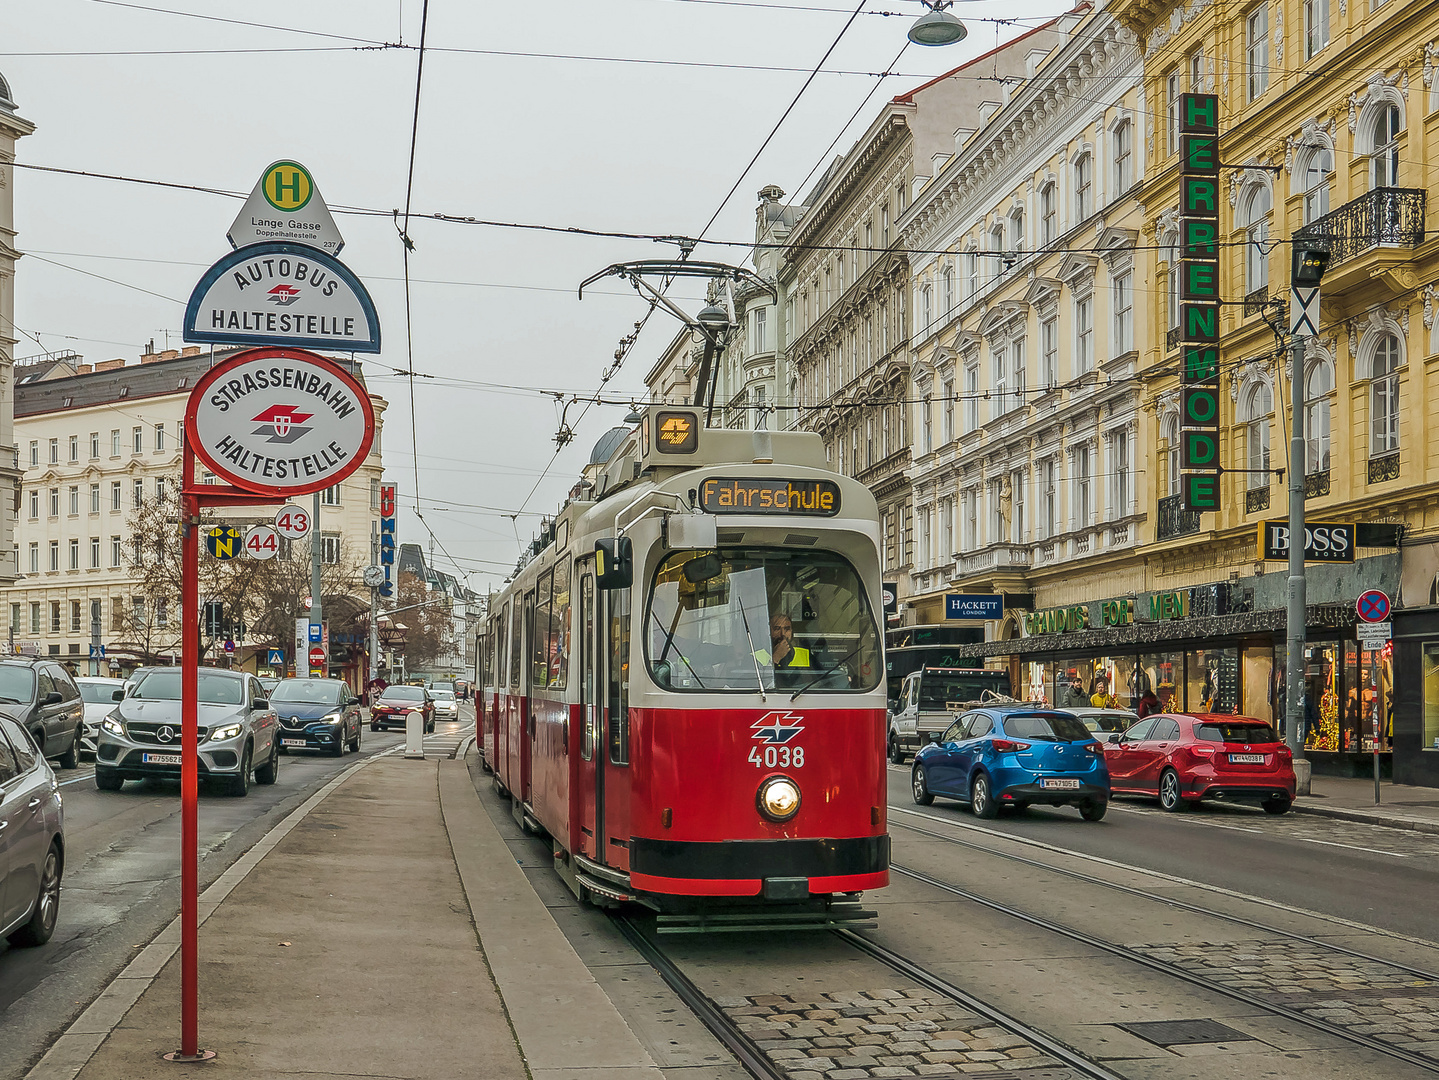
(280,422)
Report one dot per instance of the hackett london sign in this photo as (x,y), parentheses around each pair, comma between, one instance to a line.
(280,421)
(283,294)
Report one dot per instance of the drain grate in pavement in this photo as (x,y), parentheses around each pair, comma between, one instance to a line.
(1168,1033)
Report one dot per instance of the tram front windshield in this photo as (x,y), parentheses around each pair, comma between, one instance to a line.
(745,619)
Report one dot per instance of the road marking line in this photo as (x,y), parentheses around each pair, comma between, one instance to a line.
(1351,847)
(1173,878)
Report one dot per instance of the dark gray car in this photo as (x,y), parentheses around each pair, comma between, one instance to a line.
(32,840)
(43,698)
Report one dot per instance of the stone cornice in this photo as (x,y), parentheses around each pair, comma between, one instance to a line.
(852,172)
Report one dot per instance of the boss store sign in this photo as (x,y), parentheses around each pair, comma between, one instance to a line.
(1324,541)
(1199,300)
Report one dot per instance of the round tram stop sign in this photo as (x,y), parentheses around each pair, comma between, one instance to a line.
(280,422)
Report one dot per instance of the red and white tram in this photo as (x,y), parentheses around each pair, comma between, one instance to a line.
(685,686)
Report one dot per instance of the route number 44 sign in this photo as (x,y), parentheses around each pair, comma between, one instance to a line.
(262,542)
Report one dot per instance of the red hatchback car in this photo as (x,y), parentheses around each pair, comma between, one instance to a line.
(1185,757)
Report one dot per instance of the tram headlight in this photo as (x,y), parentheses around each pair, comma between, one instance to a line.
(778,798)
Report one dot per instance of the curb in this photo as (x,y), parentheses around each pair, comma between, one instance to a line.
(1367,817)
(73,1050)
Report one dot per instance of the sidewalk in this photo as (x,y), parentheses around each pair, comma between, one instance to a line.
(1401,806)
(384,930)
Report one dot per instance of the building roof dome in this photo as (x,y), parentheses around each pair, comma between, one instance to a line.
(608,444)
(7,103)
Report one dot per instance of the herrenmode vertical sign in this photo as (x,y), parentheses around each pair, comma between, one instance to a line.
(1199,299)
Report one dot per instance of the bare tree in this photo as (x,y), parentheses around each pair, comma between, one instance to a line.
(261,599)
(429,626)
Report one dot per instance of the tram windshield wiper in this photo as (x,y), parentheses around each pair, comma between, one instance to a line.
(828,671)
(670,644)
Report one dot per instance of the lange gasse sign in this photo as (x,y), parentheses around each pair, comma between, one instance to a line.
(280,420)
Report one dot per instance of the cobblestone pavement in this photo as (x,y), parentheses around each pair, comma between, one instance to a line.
(1364,996)
(860,1034)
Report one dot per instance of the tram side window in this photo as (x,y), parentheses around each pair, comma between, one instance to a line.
(559,651)
(540,635)
(515,625)
(619,677)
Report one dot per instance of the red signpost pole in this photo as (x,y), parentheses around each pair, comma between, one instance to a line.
(189,760)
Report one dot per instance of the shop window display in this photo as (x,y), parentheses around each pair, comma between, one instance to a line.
(1213,681)
(1431,695)
(1165,675)
(1322,703)
(1259,685)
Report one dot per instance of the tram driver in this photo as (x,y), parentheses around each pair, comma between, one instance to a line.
(783,653)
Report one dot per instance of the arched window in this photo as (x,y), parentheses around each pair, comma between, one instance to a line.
(1170,431)
(1048,211)
(1314,178)
(1384,153)
(1259,405)
(1384,395)
(1016,229)
(1256,249)
(1319,404)
(1083,187)
(948,289)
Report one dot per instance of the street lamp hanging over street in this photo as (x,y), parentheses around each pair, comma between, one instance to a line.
(937,26)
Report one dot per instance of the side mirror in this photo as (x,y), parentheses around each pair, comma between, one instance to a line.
(52,698)
(118,695)
(614,562)
(1116,737)
(933,736)
(353,701)
(260,703)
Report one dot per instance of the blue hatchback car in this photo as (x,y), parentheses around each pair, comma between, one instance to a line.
(1014,755)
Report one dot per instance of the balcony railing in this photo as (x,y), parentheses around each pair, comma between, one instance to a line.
(1316,483)
(1384,468)
(1384,217)
(1174,520)
(1255,302)
(1256,499)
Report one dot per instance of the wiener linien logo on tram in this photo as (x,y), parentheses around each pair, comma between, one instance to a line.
(777,727)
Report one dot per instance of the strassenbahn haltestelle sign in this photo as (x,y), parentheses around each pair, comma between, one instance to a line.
(280,421)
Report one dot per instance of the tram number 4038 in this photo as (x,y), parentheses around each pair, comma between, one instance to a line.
(781,757)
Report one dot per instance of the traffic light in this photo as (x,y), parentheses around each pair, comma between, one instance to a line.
(1311,258)
(213,618)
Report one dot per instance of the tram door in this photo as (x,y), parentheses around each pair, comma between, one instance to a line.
(527,719)
(586,793)
(614,815)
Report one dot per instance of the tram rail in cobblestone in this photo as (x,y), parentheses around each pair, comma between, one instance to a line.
(1169,901)
(757,1062)
(1125,952)
(706,1010)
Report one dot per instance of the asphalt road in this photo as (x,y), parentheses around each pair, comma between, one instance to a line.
(121,883)
(1369,874)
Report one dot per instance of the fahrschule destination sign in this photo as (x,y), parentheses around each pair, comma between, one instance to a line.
(281,422)
(283,294)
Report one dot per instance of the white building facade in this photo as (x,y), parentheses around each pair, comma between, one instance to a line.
(12,128)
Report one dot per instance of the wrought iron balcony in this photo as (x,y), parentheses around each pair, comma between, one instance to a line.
(1174,520)
(1316,483)
(1256,499)
(1255,302)
(1384,468)
(1384,217)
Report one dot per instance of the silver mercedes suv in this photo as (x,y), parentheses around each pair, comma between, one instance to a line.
(238,731)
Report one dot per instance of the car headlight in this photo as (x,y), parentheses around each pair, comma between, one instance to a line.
(113,725)
(778,798)
(332,718)
(228,731)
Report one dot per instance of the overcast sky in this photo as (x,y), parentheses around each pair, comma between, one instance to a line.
(149,90)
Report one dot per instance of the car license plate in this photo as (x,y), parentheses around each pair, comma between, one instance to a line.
(1247,759)
(1062,785)
(161,759)
(292,742)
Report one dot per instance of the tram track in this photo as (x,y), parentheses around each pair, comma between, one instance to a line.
(759,1065)
(1172,902)
(1174,971)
